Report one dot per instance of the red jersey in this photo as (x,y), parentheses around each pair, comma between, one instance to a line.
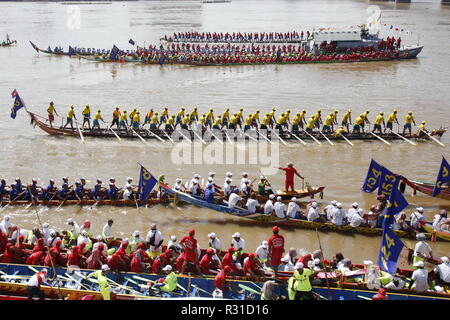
(190,249)
(276,242)
(220,280)
(290,173)
(228,261)
(204,263)
(249,266)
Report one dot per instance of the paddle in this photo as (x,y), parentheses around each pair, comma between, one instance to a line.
(388,143)
(264,136)
(217,139)
(203,141)
(153,134)
(326,138)
(171,140)
(436,140)
(279,138)
(242,286)
(9,203)
(364,298)
(79,131)
(139,136)
(201,290)
(318,142)
(414,144)
(348,141)
(185,136)
(250,137)
(111,129)
(228,138)
(326,273)
(78,282)
(295,136)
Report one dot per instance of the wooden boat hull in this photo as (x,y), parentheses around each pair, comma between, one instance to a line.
(294,223)
(53,203)
(426,188)
(347,291)
(8,44)
(441,234)
(299,194)
(104,133)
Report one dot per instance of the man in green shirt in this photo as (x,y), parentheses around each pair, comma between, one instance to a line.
(300,287)
(262,184)
(170,282)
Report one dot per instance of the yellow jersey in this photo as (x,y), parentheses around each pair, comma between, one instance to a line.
(50,109)
(256,116)
(185,120)
(210,115)
(86,111)
(180,113)
(226,114)
(218,121)
(359,121)
(170,121)
(154,119)
(248,120)
(194,114)
(116,114)
(339,131)
(328,120)
(98,116)
(297,119)
(281,120)
(136,118)
(409,118)
(311,122)
(346,116)
(233,119)
(392,117)
(379,119)
(202,119)
(165,112)
(71,113)
(123,117)
(265,120)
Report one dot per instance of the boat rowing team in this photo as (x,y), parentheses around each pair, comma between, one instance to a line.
(34,192)
(75,247)
(230,120)
(243,196)
(238,37)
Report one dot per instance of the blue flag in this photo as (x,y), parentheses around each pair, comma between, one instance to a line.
(146,184)
(114,53)
(18,104)
(373,177)
(131,42)
(443,177)
(387,181)
(391,246)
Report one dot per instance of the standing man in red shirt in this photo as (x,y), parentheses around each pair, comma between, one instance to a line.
(189,244)
(290,171)
(276,249)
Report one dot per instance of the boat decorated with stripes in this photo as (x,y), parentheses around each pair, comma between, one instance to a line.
(425,187)
(226,135)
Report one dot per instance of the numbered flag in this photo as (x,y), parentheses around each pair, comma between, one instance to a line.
(395,204)
(373,177)
(146,184)
(18,104)
(387,181)
(443,177)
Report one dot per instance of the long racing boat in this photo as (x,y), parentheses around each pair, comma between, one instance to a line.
(426,188)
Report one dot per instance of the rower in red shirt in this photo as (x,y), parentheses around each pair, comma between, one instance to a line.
(290,171)
(276,248)
(141,261)
(189,244)
(228,260)
(207,262)
(221,278)
(252,266)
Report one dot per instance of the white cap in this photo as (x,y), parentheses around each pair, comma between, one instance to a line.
(244,173)
(173,238)
(44,270)
(178,180)
(444,259)
(229,174)
(236,235)
(6,218)
(99,238)
(355,204)
(136,233)
(211,174)
(278,198)
(419,264)
(368,262)
(420,209)
(196,175)
(212,235)
(293,199)
(265,244)
(84,232)
(126,240)
(105,267)
(339,205)
(262,177)
(316,261)
(129,178)
(334,202)
(314,204)
(70,220)
(298,265)
(271,196)
(167,268)
(210,179)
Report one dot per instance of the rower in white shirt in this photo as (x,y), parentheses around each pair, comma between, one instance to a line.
(439,219)
(106,232)
(293,210)
(129,183)
(238,243)
(194,188)
(5,224)
(416,217)
(227,187)
(74,228)
(234,198)
(244,178)
(338,215)
(128,192)
(252,204)
(179,185)
(279,208)
(353,210)
(313,212)
(268,207)
(262,252)
(329,209)
(357,218)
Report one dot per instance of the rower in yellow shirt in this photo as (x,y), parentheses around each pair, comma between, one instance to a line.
(421,130)
(240,118)
(202,122)
(311,124)
(296,121)
(132,116)
(233,122)
(334,122)
(287,115)
(318,118)
(137,120)
(154,123)
(209,118)
(255,119)
(379,120)
(365,118)
(185,122)
(70,115)
(164,115)
(390,120)
(180,116)
(194,115)
(217,123)
(340,131)
(170,122)
(302,118)
(50,110)
(272,117)
(123,123)
(327,123)
(347,119)
(248,122)
(86,116)
(116,117)
(226,118)
(97,117)
(265,122)
(358,125)
(409,119)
